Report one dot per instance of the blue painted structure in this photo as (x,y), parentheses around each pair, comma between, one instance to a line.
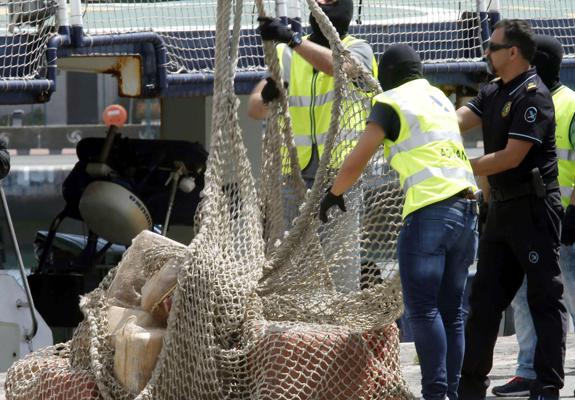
(158,80)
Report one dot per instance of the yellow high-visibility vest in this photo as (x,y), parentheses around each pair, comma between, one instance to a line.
(428,153)
(310,95)
(564,102)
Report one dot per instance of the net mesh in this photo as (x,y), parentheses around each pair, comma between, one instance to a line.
(556,18)
(440,33)
(25,26)
(445,31)
(247,311)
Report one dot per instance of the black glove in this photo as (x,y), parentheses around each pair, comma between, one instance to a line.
(273,29)
(270,91)
(328,201)
(568,232)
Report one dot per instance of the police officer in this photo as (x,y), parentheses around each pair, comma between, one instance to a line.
(547,61)
(522,231)
(418,126)
(307,69)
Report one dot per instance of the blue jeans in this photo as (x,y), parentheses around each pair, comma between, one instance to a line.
(526,336)
(436,246)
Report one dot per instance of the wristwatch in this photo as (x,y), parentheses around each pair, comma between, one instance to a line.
(295,40)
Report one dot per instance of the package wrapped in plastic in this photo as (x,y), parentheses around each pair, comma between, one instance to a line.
(148,252)
(136,353)
(158,288)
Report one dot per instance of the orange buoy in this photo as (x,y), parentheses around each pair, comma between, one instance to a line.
(115,114)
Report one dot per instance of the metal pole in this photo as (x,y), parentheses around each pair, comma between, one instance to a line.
(294,15)
(175,178)
(494,12)
(358,20)
(282,11)
(483,22)
(62,13)
(28,335)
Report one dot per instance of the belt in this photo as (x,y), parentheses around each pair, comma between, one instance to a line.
(466,193)
(520,190)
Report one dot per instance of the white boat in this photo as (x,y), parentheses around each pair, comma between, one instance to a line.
(22,329)
(21,332)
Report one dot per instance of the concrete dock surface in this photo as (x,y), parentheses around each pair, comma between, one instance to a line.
(504,364)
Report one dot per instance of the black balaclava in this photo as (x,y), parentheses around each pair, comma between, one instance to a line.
(339,13)
(399,64)
(547,60)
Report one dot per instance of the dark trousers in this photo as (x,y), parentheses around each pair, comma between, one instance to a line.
(521,238)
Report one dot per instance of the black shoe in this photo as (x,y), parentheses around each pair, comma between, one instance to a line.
(544,393)
(516,387)
(472,389)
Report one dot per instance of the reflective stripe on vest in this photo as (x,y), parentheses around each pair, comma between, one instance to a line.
(445,172)
(564,102)
(423,139)
(305,140)
(566,193)
(428,153)
(567,155)
(285,57)
(306,101)
(302,140)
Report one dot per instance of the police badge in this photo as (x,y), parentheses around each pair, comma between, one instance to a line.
(506,109)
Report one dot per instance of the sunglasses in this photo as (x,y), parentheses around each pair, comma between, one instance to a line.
(498,46)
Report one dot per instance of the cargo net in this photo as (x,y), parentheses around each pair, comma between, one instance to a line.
(247,311)
(548,17)
(444,31)
(25,27)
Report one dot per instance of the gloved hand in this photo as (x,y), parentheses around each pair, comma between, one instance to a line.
(273,29)
(270,91)
(568,232)
(328,201)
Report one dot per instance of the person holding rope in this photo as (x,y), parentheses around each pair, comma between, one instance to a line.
(417,124)
(307,71)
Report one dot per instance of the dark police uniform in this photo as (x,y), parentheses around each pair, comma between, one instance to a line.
(521,235)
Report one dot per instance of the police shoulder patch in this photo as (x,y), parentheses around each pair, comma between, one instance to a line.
(530,114)
(531,86)
(506,108)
